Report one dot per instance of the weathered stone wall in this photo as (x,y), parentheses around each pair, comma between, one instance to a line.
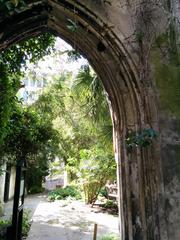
(166,62)
(168,86)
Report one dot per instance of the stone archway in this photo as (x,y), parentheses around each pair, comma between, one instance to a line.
(102,37)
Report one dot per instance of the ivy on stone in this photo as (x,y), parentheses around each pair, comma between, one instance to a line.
(72,25)
(142,139)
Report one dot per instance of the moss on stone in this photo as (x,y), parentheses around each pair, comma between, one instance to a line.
(167,73)
(168,83)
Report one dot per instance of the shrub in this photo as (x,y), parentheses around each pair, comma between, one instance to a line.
(26,224)
(111,206)
(95,168)
(91,190)
(64,193)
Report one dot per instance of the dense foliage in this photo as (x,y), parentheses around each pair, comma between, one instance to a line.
(79,111)
(141,139)
(64,193)
(95,168)
(33,139)
(24,135)
(13,64)
(70,120)
(26,224)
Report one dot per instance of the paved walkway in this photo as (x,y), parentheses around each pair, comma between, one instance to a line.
(73,221)
(31,203)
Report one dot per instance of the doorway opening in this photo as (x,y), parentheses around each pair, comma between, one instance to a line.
(132,106)
(62,127)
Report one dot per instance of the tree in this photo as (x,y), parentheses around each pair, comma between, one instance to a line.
(77,109)
(13,64)
(33,140)
(84,134)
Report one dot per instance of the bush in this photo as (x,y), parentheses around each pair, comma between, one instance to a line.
(91,191)
(26,224)
(111,207)
(95,168)
(64,193)
(110,204)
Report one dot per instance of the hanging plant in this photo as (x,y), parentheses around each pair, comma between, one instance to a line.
(142,139)
(72,25)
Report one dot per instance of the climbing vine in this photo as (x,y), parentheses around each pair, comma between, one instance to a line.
(142,139)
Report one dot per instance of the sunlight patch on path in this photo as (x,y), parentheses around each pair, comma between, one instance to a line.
(75,221)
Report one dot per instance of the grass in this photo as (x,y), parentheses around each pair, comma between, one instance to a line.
(108,237)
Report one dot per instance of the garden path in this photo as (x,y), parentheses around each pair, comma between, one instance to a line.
(31,203)
(68,220)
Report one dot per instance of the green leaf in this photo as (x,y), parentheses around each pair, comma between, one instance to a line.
(71,25)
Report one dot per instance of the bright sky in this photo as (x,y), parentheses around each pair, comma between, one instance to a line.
(52,65)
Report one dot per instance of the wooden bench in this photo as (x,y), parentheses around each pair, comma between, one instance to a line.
(112,191)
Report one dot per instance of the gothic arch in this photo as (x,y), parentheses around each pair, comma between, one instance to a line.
(132,103)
